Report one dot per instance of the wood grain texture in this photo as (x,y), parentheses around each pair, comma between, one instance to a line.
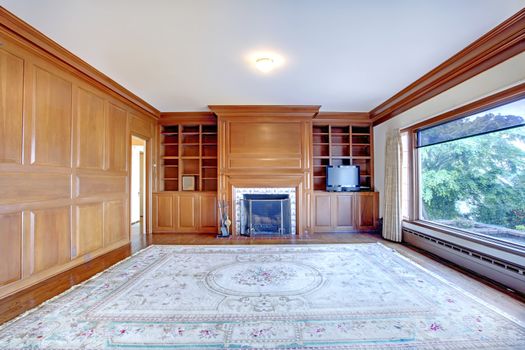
(51,236)
(115,226)
(51,120)
(91,130)
(11,107)
(501,43)
(117,138)
(64,152)
(10,247)
(25,187)
(90,234)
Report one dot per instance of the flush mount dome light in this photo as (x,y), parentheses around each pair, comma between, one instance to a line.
(264,64)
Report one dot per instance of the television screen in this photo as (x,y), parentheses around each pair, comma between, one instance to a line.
(342,178)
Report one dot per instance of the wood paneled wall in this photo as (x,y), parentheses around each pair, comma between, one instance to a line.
(64,166)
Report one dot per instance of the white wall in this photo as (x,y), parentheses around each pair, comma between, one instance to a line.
(506,74)
(135,182)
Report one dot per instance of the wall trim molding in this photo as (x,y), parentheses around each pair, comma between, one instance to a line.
(30,37)
(509,95)
(501,43)
(305,111)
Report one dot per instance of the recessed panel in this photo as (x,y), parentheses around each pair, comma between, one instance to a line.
(51,120)
(265,139)
(18,187)
(187,210)
(117,138)
(89,228)
(10,247)
(51,236)
(115,228)
(11,107)
(90,185)
(90,130)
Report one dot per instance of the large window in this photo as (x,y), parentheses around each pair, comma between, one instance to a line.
(472,173)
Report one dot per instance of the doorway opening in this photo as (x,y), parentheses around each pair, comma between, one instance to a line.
(138,185)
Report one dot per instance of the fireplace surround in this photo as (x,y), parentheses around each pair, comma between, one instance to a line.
(265,211)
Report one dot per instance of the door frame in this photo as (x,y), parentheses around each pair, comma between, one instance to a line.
(148,155)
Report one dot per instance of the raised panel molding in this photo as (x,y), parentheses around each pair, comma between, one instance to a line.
(19,187)
(10,248)
(89,228)
(90,185)
(51,236)
(51,124)
(345,211)
(11,107)
(187,218)
(90,130)
(208,211)
(114,222)
(117,123)
(165,210)
(323,211)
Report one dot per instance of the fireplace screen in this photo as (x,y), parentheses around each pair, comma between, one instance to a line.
(265,214)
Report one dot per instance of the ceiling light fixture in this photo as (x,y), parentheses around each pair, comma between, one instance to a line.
(264,64)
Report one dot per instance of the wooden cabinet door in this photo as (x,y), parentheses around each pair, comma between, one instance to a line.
(323,212)
(208,212)
(164,212)
(367,213)
(344,212)
(188,212)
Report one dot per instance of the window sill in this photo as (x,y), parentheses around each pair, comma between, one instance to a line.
(491,243)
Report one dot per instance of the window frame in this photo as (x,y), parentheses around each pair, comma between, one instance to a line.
(414,182)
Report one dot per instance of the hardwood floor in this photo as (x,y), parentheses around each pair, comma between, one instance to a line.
(14,305)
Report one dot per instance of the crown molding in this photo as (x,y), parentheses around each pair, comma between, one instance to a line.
(305,111)
(501,43)
(31,38)
(335,117)
(169,118)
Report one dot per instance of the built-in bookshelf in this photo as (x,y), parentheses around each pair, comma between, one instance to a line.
(337,144)
(189,150)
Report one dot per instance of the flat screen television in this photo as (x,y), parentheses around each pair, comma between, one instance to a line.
(342,178)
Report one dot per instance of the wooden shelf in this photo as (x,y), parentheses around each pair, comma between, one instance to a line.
(342,144)
(189,150)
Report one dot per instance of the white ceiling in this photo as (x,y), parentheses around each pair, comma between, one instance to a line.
(182,55)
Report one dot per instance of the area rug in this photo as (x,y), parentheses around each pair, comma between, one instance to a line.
(356,296)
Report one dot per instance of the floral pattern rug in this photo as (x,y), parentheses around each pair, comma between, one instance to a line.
(354,296)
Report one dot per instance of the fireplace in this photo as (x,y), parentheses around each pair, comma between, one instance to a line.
(265,214)
(265,211)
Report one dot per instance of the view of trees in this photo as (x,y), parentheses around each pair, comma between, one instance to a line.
(479,179)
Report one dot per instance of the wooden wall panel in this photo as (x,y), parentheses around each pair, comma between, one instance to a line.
(51,235)
(90,130)
(114,222)
(99,184)
(11,107)
(89,228)
(265,139)
(10,247)
(64,179)
(51,143)
(16,187)
(117,138)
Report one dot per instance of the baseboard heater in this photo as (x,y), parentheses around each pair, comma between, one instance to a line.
(504,272)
